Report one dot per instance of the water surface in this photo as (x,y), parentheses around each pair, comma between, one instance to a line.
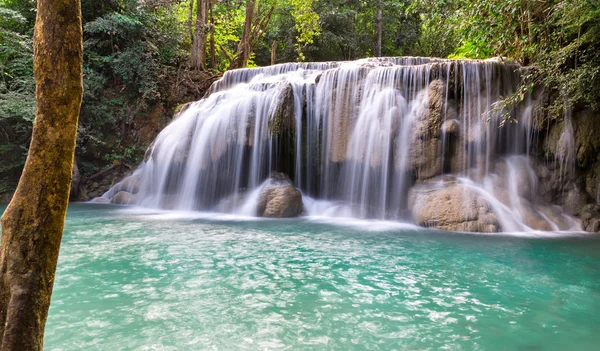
(136,280)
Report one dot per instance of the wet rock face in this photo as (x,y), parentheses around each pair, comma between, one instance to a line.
(434,117)
(566,189)
(282,117)
(590,218)
(454,208)
(279,198)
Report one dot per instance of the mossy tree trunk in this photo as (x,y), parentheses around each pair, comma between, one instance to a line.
(33,223)
(244,49)
(198,59)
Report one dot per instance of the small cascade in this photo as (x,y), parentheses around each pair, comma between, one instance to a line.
(374,139)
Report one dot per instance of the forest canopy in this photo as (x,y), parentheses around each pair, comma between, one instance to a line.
(138,54)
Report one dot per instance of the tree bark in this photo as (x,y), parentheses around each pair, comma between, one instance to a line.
(198,58)
(213,60)
(189,23)
(243,54)
(273,52)
(33,223)
(379,27)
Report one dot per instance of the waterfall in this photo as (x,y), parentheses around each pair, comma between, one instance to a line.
(366,138)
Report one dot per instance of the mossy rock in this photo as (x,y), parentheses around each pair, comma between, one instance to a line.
(282,118)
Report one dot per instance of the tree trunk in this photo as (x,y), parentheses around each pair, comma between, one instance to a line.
(213,60)
(189,23)
(379,27)
(273,52)
(198,59)
(243,53)
(33,223)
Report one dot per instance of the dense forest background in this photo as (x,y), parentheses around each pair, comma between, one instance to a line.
(143,58)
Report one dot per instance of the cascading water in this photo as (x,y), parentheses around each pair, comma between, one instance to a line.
(370,138)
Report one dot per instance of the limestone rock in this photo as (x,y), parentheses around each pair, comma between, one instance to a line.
(557,216)
(130,184)
(101,200)
(590,218)
(532,218)
(585,133)
(426,140)
(451,126)
(454,208)
(592,182)
(281,117)
(573,199)
(587,136)
(124,198)
(517,174)
(279,198)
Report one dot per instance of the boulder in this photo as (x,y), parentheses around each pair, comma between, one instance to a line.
(451,126)
(279,198)
(454,207)
(124,198)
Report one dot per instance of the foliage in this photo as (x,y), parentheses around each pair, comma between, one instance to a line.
(560,39)
(306,21)
(17,94)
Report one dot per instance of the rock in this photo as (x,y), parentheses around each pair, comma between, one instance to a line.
(451,126)
(587,136)
(279,198)
(575,140)
(590,218)
(557,216)
(426,143)
(124,198)
(592,182)
(130,184)
(100,200)
(281,117)
(534,219)
(343,109)
(573,199)
(454,208)
(516,173)
(425,158)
